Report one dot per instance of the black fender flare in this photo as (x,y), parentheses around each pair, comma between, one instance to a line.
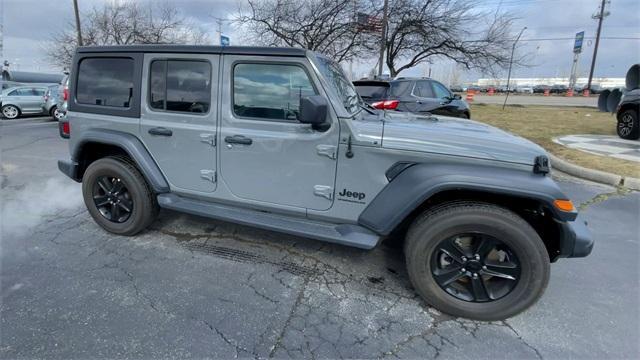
(132,146)
(417,183)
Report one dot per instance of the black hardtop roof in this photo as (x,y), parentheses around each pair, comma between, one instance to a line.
(195,49)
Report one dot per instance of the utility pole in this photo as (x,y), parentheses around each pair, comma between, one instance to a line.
(600,17)
(385,11)
(513,49)
(78,29)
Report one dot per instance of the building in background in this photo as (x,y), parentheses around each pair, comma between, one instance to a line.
(602,82)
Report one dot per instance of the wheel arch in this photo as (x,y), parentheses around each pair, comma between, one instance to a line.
(17,106)
(629,106)
(424,186)
(99,143)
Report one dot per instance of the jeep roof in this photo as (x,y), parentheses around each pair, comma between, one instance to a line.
(195,49)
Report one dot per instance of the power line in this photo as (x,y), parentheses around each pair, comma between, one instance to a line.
(588,38)
(564,39)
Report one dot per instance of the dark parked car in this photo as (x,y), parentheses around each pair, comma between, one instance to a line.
(416,95)
(627,114)
(559,89)
(539,89)
(595,89)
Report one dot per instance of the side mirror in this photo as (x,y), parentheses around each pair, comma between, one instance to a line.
(457,97)
(313,110)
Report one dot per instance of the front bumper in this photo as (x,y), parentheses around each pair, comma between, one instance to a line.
(575,238)
(71,169)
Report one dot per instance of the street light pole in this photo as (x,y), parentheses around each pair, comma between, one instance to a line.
(384,36)
(513,49)
(600,17)
(78,30)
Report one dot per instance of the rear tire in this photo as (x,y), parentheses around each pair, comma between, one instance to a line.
(118,197)
(10,112)
(517,249)
(628,126)
(55,113)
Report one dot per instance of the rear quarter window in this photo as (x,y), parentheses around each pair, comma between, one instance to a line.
(372,92)
(105,82)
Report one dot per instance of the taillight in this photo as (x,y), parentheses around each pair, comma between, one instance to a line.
(391,104)
(65,94)
(378,105)
(65,129)
(386,104)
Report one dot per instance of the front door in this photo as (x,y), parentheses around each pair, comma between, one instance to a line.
(178,118)
(266,155)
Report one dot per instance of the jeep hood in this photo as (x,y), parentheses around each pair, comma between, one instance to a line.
(457,137)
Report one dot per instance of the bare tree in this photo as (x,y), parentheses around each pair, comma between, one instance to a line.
(125,23)
(326,26)
(423,30)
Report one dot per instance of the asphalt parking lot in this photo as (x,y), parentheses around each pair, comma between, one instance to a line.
(193,287)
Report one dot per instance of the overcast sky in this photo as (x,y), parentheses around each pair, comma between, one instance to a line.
(30,24)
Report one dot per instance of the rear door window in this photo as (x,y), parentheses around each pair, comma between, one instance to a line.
(180,85)
(37,92)
(105,82)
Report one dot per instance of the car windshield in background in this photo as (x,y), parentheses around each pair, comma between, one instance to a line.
(340,83)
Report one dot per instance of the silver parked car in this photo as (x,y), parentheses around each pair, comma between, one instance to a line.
(22,100)
(53,102)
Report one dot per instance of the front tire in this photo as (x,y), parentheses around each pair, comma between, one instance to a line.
(10,112)
(628,126)
(118,197)
(476,260)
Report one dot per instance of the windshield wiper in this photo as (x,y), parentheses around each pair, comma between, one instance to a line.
(367,108)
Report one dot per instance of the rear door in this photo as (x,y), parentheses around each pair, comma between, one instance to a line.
(32,99)
(178,118)
(424,97)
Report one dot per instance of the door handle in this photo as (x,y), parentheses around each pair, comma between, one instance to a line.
(418,102)
(238,139)
(161,131)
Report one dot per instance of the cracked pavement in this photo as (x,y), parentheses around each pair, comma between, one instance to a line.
(191,287)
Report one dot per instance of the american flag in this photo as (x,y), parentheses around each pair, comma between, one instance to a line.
(370,23)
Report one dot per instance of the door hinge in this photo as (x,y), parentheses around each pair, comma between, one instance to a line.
(324,191)
(327,150)
(209,175)
(208,139)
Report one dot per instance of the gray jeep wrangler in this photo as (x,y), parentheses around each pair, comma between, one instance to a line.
(277,138)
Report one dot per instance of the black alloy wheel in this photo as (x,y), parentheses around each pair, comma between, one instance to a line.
(476,260)
(475,267)
(628,127)
(112,199)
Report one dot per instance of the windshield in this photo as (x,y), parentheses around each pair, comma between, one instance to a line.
(336,78)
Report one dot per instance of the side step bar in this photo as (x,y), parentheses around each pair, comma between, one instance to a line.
(345,234)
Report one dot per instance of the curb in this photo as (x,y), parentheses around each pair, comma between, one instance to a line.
(594,175)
